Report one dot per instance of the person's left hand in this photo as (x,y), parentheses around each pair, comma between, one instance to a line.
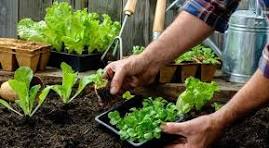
(197,133)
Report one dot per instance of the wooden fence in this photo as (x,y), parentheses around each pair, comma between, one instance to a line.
(137,32)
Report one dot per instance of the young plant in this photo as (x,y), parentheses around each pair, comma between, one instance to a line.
(137,50)
(26,95)
(199,54)
(71,31)
(127,95)
(143,124)
(196,95)
(70,77)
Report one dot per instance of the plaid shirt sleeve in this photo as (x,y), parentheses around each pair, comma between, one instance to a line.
(264,60)
(215,13)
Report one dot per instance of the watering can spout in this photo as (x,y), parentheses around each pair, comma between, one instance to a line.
(208,42)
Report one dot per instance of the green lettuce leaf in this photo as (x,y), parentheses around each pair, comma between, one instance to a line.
(196,95)
(30,30)
(22,91)
(127,95)
(56,18)
(6,105)
(68,81)
(25,75)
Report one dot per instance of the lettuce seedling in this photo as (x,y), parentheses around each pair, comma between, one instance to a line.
(98,79)
(26,95)
(196,95)
(68,81)
(127,95)
(199,54)
(143,124)
(70,77)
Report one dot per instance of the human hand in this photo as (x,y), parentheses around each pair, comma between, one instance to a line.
(133,71)
(197,133)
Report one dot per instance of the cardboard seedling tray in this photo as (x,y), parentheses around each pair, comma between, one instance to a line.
(178,73)
(14,53)
(123,108)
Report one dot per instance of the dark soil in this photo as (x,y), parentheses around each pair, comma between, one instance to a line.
(59,126)
(56,125)
(251,132)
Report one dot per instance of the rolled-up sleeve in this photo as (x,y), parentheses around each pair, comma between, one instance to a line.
(264,62)
(215,13)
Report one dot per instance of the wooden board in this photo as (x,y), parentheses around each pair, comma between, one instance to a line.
(8,17)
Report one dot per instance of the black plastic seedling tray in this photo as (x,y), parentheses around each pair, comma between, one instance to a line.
(123,108)
(79,63)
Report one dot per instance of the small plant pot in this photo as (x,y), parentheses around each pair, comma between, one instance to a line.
(29,59)
(207,72)
(79,63)
(167,73)
(7,59)
(187,70)
(44,58)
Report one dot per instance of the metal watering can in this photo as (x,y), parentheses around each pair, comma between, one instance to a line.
(244,43)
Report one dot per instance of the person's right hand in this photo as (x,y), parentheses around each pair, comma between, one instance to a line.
(136,70)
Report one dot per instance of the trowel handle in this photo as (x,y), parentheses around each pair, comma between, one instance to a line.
(129,8)
(159,19)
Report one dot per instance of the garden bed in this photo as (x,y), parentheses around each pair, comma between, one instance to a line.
(75,126)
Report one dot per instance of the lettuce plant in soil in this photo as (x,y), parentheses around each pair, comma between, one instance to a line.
(70,78)
(143,124)
(100,84)
(27,95)
(71,31)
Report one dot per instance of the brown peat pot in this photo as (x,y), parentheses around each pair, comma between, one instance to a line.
(167,73)
(207,71)
(187,70)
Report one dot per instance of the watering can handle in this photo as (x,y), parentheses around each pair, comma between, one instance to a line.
(130,7)
(159,19)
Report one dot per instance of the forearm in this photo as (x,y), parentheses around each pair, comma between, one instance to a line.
(253,95)
(185,32)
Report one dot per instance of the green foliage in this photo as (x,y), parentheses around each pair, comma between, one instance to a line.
(31,31)
(98,79)
(68,81)
(143,124)
(26,95)
(137,50)
(70,77)
(127,95)
(73,31)
(199,54)
(196,95)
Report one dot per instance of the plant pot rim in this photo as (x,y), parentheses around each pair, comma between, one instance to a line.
(182,64)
